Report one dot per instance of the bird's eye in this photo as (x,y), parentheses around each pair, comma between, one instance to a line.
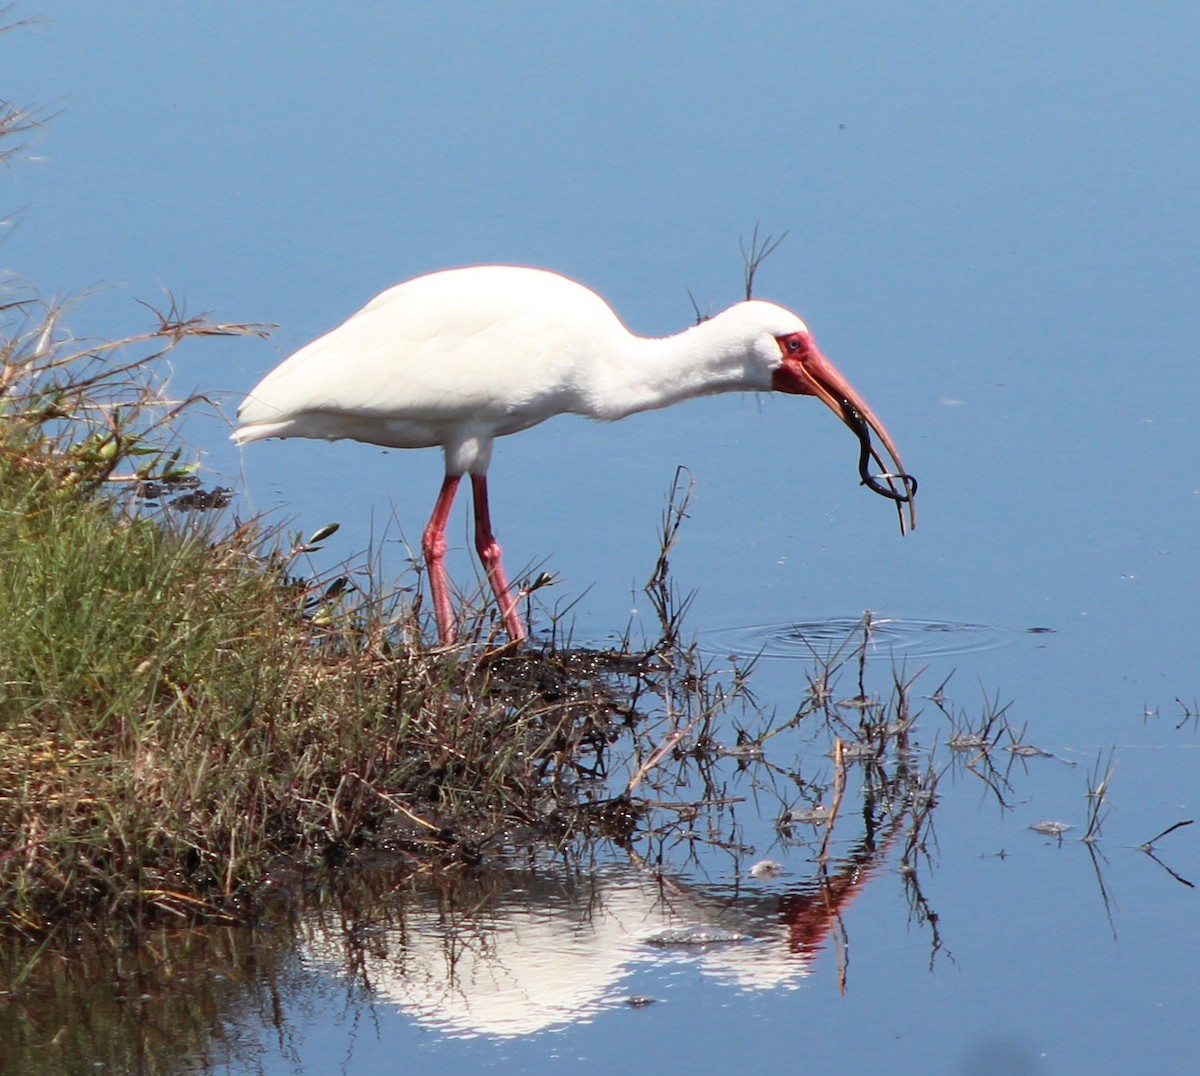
(793,344)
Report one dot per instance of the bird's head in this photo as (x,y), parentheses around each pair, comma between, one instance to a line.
(798,368)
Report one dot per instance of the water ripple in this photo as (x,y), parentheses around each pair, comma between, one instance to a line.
(898,636)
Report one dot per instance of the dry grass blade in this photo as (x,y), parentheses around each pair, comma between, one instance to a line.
(659,753)
(1098,796)
(839,791)
(1146,846)
(757,253)
(659,588)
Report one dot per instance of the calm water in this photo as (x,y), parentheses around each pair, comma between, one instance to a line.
(992,231)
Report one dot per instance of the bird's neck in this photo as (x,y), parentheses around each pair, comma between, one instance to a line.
(650,372)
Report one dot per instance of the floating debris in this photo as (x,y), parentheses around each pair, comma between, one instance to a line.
(810,816)
(152,490)
(670,937)
(747,751)
(968,741)
(1051,829)
(204,500)
(857,702)
(1026,750)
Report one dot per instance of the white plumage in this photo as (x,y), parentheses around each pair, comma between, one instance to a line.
(460,357)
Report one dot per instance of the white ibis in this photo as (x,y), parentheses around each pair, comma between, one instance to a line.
(460,357)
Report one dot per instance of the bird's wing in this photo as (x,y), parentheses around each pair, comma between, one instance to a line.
(431,354)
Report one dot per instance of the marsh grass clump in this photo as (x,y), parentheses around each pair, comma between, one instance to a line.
(180,707)
(135,652)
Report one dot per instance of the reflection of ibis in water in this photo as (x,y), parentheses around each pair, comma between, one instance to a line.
(458,358)
(549,950)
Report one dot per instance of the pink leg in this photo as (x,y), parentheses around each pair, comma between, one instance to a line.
(433,545)
(489,556)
